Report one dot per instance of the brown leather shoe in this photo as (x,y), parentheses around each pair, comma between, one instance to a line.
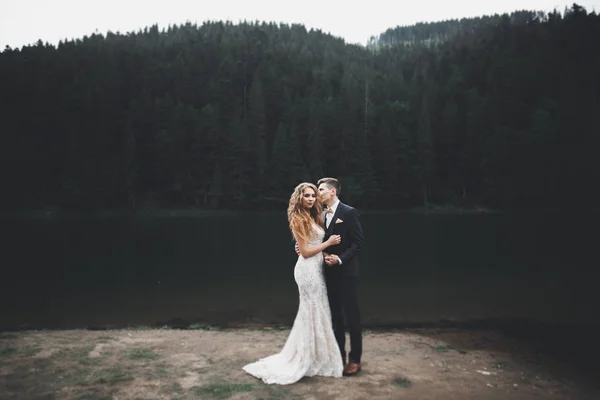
(351,369)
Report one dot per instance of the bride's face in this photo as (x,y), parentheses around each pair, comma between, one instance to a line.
(308,197)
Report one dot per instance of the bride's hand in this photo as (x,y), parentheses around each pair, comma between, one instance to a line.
(334,239)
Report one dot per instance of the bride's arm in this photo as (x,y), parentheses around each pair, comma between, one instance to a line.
(307,251)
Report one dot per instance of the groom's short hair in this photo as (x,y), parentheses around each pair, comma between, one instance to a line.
(332,183)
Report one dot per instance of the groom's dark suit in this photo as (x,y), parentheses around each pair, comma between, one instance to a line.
(342,280)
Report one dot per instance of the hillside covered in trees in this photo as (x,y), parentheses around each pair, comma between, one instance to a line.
(500,111)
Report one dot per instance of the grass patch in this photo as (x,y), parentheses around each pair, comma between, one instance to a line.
(447,347)
(82,377)
(19,373)
(105,339)
(111,376)
(162,372)
(70,376)
(390,352)
(75,354)
(140,354)
(142,328)
(203,327)
(29,351)
(8,351)
(8,335)
(158,372)
(402,382)
(222,390)
(273,328)
(173,388)
(276,328)
(276,393)
(93,396)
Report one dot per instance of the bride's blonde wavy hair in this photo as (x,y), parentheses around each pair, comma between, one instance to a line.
(300,217)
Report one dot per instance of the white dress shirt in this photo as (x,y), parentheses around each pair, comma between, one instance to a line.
(328,218)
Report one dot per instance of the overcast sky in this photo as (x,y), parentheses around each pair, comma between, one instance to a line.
(23,22)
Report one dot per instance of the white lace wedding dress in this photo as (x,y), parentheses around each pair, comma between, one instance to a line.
(311,348)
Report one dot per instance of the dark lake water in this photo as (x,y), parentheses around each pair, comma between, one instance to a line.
(123,271)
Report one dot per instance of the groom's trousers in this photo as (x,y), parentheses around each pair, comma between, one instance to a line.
(343,301)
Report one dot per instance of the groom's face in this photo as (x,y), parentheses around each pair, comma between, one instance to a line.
(326,193)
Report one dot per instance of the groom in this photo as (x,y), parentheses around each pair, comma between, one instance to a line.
(341,271)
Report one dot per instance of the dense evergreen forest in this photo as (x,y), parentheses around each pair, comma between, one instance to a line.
(500,111)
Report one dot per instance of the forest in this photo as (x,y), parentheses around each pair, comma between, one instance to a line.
(500,111)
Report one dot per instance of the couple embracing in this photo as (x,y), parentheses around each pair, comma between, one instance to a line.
(327,243)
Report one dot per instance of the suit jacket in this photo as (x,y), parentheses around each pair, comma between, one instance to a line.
(351,232)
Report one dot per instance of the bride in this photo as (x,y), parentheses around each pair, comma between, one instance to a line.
(311,348)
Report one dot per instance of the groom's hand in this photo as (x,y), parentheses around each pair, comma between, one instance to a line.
(331,260)
(297,248)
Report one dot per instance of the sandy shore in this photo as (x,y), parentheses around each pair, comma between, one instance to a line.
(204,364)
